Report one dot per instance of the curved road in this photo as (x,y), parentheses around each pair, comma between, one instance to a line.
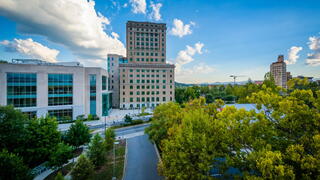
(142,159)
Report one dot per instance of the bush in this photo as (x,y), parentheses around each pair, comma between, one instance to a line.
(12,167)
(83,170)
(96,152)
(139,121)
(127,118)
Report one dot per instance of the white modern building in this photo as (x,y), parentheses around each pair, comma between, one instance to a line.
(63,90)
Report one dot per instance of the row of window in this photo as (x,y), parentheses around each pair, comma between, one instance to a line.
(142,34)
(145,53)
(145,81)
(147,60)
(146,70)
(147,87)
(146,93)
(147,29)
(145,75)
(147,99)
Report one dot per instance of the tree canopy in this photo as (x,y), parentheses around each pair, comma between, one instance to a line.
(278,140)
(78,134)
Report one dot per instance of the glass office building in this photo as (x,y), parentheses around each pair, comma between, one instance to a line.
(65,90)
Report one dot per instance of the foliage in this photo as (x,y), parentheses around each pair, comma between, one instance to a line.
(281,140)
(109,139)
(59,176)
(83,169)
(127,118)
(164,116)
(42,139)
(12,167)
(60,156)
(13,131)
(78,134)
(96,152)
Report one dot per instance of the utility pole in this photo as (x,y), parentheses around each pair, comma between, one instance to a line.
(234,83)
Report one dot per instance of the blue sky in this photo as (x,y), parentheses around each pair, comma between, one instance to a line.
(217,38)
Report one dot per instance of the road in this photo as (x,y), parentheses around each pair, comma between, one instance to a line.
(142,160)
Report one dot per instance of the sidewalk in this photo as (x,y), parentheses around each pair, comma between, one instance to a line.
(115,116)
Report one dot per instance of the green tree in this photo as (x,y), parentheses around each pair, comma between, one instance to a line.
(59,176)
(109,139)
(78,134)
(83,169)
(164,116)
(60,156)
(12,167)
(42,139)
(97,151)
(13,131)
(127,118)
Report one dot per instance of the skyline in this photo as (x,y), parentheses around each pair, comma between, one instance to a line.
(206,41)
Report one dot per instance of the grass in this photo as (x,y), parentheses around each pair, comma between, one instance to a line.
(106,170)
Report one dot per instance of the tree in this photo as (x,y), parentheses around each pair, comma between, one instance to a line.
(78,134)
(42,139)
(59,176)
(109,139)
(12,167)
(83,169)
(127,119)
(164,116)
(96,152)
(61,156)
(13,131)
(279,140)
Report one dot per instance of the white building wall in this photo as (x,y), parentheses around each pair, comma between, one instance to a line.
(81,99)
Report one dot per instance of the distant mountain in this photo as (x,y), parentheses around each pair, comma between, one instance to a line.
(177,84)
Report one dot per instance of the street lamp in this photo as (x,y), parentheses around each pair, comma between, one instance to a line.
(114,160)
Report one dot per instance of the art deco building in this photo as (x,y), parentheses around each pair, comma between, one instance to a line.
(279,72)
(146,80)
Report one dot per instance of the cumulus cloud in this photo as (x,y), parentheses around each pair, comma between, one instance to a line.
(293,55)
(155,11)
(138,6)
(180,29)
(313,59)
(72,23)
(31,48)
(186,56)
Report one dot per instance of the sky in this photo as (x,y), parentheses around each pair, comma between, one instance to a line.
(207,40)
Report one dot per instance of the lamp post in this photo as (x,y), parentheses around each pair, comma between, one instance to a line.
(114,160)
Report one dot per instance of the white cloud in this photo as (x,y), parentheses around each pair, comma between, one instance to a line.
(180,29)
(125,5)
(155,11)
(195,73)
(293,55)
(31,48)
(72,23)
(186,56)
(138,6)
(313,59)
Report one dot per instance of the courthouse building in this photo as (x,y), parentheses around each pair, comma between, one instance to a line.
(146,80)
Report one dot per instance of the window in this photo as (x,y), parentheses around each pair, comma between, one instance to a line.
(22,89)
(104,83)
(60,89)
(93,98)
(62,115)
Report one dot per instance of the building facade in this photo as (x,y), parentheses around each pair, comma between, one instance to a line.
(145,80)
(114,82)
(65,90)
(279,72)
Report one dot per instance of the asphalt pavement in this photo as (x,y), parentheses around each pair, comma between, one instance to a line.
(142,160)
